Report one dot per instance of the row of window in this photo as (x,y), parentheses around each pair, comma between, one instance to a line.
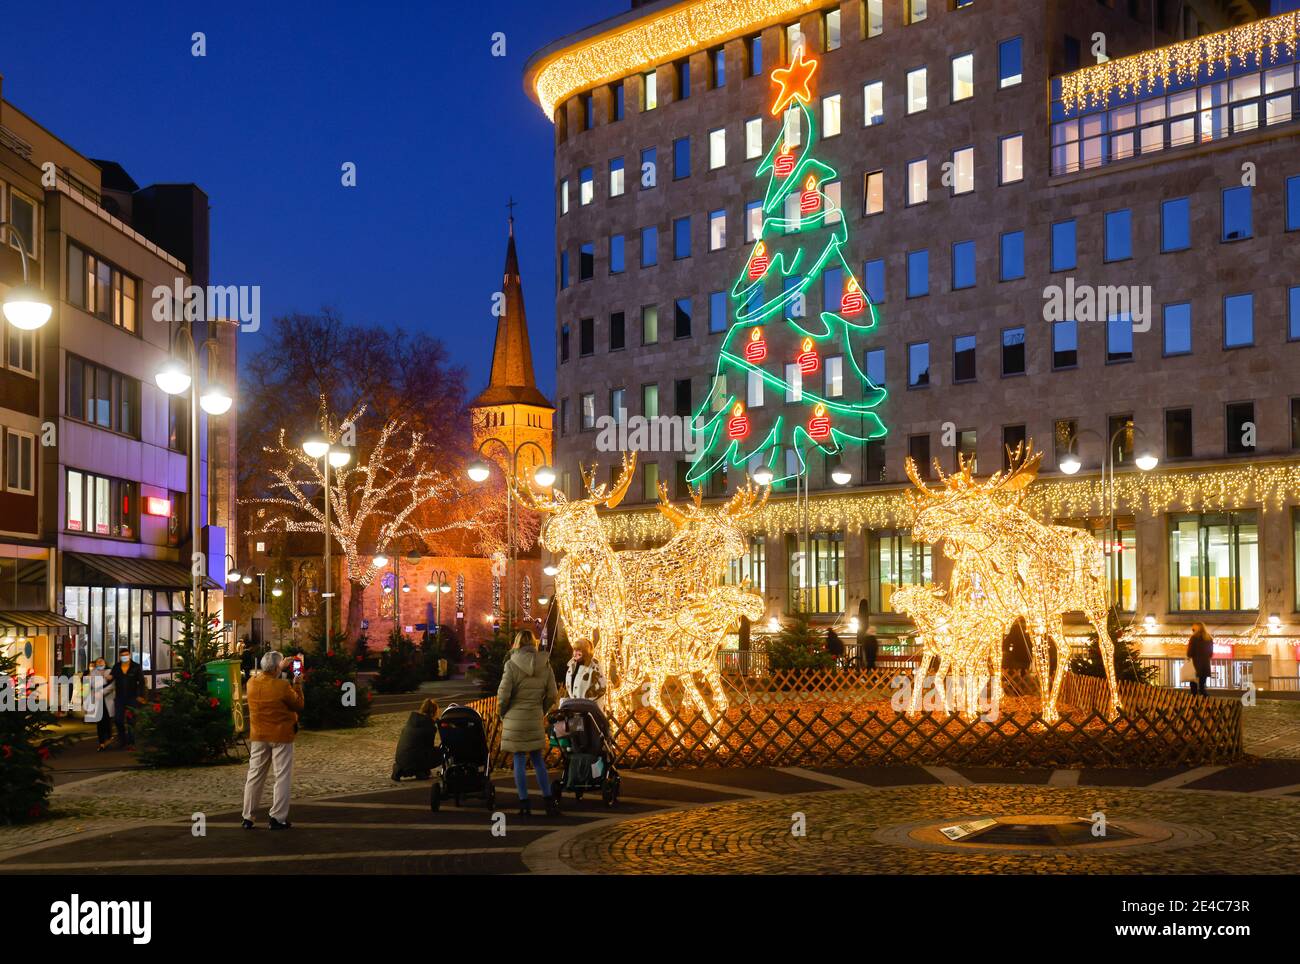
(100,288)
(873,114)
(1185,118)
(871,22)
(1214,564)
(1236,223)
(100,396)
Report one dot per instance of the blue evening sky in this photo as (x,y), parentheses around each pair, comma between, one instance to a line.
(441,132)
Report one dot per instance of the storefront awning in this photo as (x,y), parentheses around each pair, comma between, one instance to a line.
(90,569)
(35,620)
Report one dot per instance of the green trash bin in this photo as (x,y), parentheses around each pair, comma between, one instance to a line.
(224,682)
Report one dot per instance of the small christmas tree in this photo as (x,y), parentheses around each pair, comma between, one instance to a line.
(25,746)
(332,696)
(1128,666)
(797,646)
(492,657)
(185,725)
(399,668)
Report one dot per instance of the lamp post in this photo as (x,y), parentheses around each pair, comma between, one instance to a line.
(479,470)
(1146,460)
(317,446)
(437,585)
(174,378)
(25,307)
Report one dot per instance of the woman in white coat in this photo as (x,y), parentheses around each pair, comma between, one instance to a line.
(583,679)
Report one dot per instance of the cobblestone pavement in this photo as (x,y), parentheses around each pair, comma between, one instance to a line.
(1272,729)
(1250,835)
(350,818)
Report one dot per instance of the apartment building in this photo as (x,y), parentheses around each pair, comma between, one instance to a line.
(95,540)
(989,166)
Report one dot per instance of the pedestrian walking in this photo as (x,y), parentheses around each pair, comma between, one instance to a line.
(526,692)
(1200,649)
(101,689)
(868,645)
(834,645)
(128,687)
(273,707)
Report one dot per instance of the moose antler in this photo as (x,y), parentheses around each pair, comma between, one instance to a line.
(1024,463)
(748,501)
(608,495)
(912,473)
(674,515)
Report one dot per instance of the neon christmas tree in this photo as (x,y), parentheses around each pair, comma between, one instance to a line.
(773,337)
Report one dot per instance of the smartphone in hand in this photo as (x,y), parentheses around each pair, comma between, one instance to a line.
(297,667)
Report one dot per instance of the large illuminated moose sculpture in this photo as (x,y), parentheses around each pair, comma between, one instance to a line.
(1008,565)
(659,614)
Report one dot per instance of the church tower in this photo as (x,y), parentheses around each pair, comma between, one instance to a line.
(511,415)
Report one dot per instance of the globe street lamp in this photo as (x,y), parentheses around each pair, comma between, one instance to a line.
(25,307)
(176,376)
(318,447)
(1145,460)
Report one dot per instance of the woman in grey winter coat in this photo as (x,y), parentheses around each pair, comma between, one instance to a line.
(527,691)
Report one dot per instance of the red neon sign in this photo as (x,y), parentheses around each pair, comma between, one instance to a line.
(756,347)
(156,506)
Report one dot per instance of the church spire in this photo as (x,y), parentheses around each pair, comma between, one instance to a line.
(512,380)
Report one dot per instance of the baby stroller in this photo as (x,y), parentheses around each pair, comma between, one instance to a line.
(578,728)
(465,770)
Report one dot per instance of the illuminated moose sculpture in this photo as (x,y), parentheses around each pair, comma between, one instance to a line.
(659,614)
(1007,565)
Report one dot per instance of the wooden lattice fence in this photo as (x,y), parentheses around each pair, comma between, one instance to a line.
(845,718)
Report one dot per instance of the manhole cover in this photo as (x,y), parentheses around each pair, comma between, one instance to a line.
(1037,831)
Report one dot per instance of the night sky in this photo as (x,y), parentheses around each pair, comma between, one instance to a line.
(441,132)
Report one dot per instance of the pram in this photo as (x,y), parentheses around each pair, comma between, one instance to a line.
(465,769)
(578,728)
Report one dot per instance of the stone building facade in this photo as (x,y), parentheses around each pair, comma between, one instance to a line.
(974,189)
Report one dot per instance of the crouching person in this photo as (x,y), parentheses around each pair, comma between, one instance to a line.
(418,752)
(273,707)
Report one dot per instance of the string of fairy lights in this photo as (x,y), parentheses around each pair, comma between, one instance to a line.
(1179,63)
(683,29)
(1267,486)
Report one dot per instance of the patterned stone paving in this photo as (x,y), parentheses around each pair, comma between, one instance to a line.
(1242,834)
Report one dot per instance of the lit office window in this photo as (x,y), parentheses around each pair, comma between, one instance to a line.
(963,77)
(753,220)
(831,30)
(833,207)
(834,377)
(717,230)
(717,148)
(873,103)
(916,95)
(616,177)
(753,138)
(873,17)
(963,170)
(873,192)
(1214,562)
(649,90)
(918,181)
(586,186)
(1013,159)
(564,196)
(900,562)
(830,115)
(916,10)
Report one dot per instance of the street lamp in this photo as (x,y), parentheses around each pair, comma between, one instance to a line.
(438,582)
(763,475)
(839,474)
(317,447)
(1145,460)
(543,475)
(25,307)
(174,378)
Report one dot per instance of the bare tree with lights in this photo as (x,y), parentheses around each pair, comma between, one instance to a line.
(388,496)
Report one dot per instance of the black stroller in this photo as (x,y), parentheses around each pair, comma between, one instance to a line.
(465,770)
(579,730)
